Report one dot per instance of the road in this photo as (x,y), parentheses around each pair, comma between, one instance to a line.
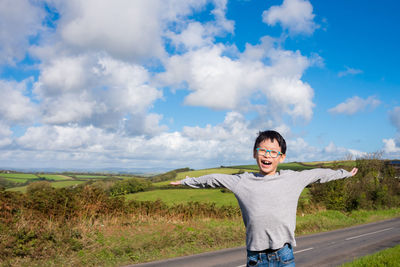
(323,249)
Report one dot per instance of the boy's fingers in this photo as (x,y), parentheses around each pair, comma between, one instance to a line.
(354,171)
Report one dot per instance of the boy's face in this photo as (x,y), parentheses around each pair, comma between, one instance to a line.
(266,163)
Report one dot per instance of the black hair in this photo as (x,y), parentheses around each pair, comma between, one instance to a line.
(271,135)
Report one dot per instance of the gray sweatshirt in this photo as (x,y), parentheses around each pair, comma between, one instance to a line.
(268,203)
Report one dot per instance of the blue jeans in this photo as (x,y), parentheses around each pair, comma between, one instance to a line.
(282,257)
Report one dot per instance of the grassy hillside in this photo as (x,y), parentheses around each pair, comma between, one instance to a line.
(178,196)
(19,181)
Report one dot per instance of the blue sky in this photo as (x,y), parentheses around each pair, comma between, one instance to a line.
(169,84)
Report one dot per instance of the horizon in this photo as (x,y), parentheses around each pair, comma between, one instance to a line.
(133,171)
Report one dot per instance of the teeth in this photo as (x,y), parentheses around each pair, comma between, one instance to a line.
(266,162)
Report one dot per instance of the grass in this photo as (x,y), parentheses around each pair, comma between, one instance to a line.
(54,184)
(134,239)
(178,196)
(387,257)
(17,180)
(19,175)
(66,183)
(92,176)
(55,177)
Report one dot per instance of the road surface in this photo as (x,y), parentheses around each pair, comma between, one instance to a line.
(323,249)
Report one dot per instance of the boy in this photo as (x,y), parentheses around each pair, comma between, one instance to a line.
(268,199)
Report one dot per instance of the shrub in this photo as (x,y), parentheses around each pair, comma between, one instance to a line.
(168,175)
(129,186)
(373,187)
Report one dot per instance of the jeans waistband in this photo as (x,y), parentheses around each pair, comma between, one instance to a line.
(269,250)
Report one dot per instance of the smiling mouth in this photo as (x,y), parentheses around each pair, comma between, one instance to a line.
(266,162)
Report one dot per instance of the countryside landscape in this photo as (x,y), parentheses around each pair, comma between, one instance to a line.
(106,105)
(103,219)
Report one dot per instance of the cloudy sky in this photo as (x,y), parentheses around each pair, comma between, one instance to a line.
(189,83)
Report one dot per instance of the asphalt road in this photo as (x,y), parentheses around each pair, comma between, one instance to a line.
(324,249)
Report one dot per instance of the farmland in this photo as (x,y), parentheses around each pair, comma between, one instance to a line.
(97,219)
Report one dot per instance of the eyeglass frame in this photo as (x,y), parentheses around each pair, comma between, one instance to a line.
(269,152)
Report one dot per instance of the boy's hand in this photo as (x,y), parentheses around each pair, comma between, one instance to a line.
(177,182)
(354,171)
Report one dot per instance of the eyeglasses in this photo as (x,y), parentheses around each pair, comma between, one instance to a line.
(264,152)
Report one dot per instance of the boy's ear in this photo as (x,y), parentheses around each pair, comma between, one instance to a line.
(282,158)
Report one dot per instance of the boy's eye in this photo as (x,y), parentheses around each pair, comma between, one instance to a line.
(264,152)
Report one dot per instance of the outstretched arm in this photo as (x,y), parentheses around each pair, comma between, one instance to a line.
(210,180)
(325,175)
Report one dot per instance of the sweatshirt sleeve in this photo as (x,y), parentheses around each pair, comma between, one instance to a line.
(323,175)
(212,180)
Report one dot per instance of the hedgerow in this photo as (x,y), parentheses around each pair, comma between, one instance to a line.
(374,186)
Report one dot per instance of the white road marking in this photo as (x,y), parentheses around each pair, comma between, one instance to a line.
(354,237)
(299,251)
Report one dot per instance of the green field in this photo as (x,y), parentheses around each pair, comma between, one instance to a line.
(54,184)
(19,175)
(178,196)
(88,176)
(17,180)
(66,183)
(297,166)
(55,177)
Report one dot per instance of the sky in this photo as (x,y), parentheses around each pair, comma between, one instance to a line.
(165,84)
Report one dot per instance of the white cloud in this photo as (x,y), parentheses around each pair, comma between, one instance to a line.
(195,35)
(67,138)
(226,143)
(332,149)
(5,135)
(63,75)
(19,20)
(220,82)
(394,116)
(355,104)
(137,33)
(391,146)
(294,15)
(299,150)
(100,25)
(98,91)
(15,107)
(349,71)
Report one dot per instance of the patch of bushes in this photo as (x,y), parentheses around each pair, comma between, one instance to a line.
(4,183)
(374,186)
(36,224)
(129,186)
(168,175)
